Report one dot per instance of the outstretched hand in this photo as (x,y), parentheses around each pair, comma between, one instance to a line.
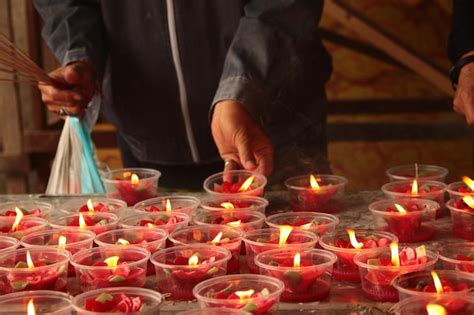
(240,139)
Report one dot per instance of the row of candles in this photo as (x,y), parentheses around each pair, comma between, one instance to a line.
(304,273)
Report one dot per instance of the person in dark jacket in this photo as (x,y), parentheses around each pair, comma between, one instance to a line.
(461,53)
(252,69)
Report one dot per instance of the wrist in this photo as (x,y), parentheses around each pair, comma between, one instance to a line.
(464,65)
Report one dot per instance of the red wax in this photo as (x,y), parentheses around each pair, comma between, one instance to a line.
(100,207)
(408,228)
(460,204)
(24,225)
(317,227)
(121,303)
(163,219)
(91,221)
(467,267)
(122,276)
(12,213)
(134,193)
(312,199)
(259,304)
(422,286)
(233,188)
(463,223)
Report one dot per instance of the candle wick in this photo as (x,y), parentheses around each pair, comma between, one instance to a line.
(416,170)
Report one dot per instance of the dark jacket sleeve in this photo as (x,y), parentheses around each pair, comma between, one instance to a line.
(73,30)
(461,39)
(264,50)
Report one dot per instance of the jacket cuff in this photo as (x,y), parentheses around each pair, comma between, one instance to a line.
(243,90)
(78,54)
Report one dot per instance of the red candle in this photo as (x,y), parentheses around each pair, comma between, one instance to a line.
(439,286)
(244,220)
(27,207)
(462,214)
(20,225)
(236,183)
(169,221)
(133,190)
(258,301)
(469,265)
(186,204)
(318,223)
(221,203)
(96,222)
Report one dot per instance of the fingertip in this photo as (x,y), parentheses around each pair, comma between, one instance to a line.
(250,165)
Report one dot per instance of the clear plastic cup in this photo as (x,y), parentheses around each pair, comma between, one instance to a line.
(345,269)
(249,220)
(425,172)
(454,256)
(118,184)
(308,282)
(326,198)
(463,221)
(406,285)
(315,222)
(186,204)
(256,242)
(174,220)
(231,239)
(458,305)
(48,273)
(214,311)
(104,221)
(100,204)
(416,225)
(220,292)
(454,193)
(29,208)
(151,301)
(92,272)
(27,225)
(377,280)
(213,184)
(177,277)
(242,203)
(7,243)
(44,302)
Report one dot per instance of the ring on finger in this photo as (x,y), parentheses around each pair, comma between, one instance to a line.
(63,112)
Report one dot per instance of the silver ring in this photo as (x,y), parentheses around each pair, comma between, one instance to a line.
(228,162)
(63,112)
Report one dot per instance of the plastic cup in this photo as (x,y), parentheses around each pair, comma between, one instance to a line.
(212,293)
(249,220)
(326,198)
(449,256)
(461,282)
(345,269)
(315,222)
(44,301)
(241,203)
(231,239)
(213,184)
(100,205)
(76,240)
(8,243)
(118,184)
(454,193)
(180,220)
(425,172)
(377,280)
(309,282)
(410,227)
(417,305)
(151,300)
(176,277)
(105,221)
(29,208)
(93,273)
(463,221)
(48,273)
(186,204)
(27,225)
(214,311)
(256,242)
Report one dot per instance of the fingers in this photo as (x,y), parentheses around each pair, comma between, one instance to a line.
(265,162)
(50,94)
(464,103)
(244,148)
(68,110)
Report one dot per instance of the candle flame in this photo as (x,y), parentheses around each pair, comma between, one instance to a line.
(246,184)
(19,216)
(150,225)
(112,262)
(217,239)
(193,261)
(168,205)
(90,206)
(395,256)
(297,260)
(352,237)
(414,187)
(435,309)
(437,282)
(31,308)
(29,261)
(121,241)
(400,208)
(62,243)
(227,205)
(285,231)
(469,182)
(313,182)
(469,201)
(306,226)
(234,223)
(82,222)
(134,179)
(244,295)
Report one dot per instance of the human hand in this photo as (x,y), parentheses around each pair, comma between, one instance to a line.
(464,98)
(73,88)
(240,139)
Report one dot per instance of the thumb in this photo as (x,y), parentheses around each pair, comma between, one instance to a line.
(245,151)
(75,74)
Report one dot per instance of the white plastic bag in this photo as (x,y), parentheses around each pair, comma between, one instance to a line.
(74,168)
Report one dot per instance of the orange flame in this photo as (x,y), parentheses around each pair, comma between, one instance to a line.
(31,308)
(150,225)
(437,282)
(297,260)
(400,208)
(168,205)
(395,256)
(193,261)
(414,187)
(285,231)
(313,182)
(469,201)
(29,261)
(227,205)
(244,295)
(469,182)
(19,216)
(352,237)
(90,206)
(234,223)
(122,241)
(217,239)
(134,179)
(112,262)
(246,184)
(306,226)
(435,309)
(62,243)
(82,222)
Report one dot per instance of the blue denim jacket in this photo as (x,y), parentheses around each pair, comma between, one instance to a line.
(164,63)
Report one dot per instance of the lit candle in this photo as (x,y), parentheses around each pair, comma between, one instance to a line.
(82,222)
(122,241)
(227,205)
(90,206)
(435,309)
(352,237)
(469,182)
(31,308)
(285,231)
(297,260)
(394,254)
(400,208)
(193,261)
(313,183)
(134,179)
(168,205)
(469,200)
(245,295)
(245,186)
(62,243)
(218,238)
(437,282)
(29,261)
(19,216)
(234,223)
(112,262)
(414,188)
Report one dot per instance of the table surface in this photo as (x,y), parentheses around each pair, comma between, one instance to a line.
(345,298)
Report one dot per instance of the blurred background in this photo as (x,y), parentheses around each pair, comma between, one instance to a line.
(390,96)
